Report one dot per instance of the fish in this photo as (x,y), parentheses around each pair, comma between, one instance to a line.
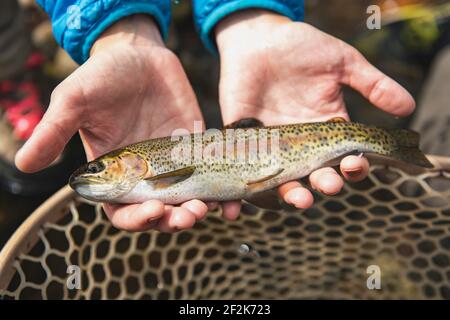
(245,160)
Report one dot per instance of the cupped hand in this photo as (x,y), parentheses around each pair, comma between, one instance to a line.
(282,72)
(131,89)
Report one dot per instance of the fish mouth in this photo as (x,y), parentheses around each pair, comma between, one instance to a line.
(76,180)
(95,188)
(80,177)
(92,188)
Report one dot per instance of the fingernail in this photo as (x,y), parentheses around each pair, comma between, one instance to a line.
(151,223)
(353,173)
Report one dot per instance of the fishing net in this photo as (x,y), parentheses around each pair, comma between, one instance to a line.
(394,220)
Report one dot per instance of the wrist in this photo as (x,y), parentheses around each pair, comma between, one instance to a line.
(235,29)
(138,29)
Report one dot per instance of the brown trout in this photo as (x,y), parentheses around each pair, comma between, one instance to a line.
(224,164)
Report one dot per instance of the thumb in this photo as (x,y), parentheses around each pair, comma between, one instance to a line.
(379,89)
(49,138)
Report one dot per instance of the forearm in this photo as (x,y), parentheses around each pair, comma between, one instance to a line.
(77,24)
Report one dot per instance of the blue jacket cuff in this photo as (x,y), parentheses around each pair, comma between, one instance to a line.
(77,24)
(207,13)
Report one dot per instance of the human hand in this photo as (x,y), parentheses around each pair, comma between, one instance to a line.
(280,72)
(132,88)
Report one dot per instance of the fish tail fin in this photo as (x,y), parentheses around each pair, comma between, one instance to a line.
(407,148)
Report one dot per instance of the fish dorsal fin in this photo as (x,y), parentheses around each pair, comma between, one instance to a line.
(265,178)
(268,199)
(167,179)
(244,123)
(337,119)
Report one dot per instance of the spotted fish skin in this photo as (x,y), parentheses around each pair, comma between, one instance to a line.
(221,175)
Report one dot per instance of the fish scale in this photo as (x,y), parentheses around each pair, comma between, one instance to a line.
(148,170)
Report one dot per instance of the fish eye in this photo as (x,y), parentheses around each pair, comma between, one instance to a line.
(95,167)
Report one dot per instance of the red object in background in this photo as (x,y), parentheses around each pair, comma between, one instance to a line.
(35,60)
(22,101)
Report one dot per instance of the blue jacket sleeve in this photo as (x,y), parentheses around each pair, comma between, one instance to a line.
(207,13)
(78,23)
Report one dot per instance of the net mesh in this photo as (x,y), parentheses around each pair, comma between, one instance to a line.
(395,220)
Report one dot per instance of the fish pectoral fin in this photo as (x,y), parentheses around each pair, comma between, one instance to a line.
(265,178)
(336,161)
(337,119)
(167,179)
(266,199)
(244,123)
